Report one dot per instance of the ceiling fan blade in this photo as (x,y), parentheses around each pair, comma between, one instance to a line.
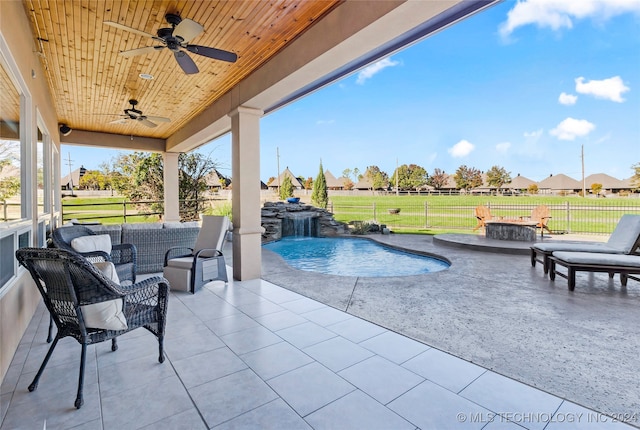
(119,121)
(146,122)
(158,118)
(187,29)
(129,29)
(140,51)
(217,54)
(187,64)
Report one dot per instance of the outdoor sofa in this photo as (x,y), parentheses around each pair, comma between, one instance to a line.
(625,239)
(152,240)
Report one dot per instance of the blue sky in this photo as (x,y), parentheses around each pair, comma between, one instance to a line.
(523,85)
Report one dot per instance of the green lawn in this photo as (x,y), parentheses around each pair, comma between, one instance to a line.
(418,213)
(422,213)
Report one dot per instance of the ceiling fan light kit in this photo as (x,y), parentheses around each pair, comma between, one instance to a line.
(136,114)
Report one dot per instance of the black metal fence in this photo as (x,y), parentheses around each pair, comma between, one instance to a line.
(565,217)
(125,211)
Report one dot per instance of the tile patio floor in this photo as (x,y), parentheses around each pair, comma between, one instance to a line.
(253,355)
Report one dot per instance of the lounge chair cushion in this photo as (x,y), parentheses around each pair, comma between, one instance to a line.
(576,246)
(106,315)
(97,242)
(625,236)
(598,259)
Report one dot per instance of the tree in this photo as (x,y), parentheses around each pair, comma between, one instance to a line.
(497,177)
(93,180)
(410,177)
(378,178)
(193,168)
(348,184)
(319,196)
(308,184)
(596,188)
(347,173)
(467,178)
(140,176)
(635,179)
(286,188)
(533,189)
(438,179)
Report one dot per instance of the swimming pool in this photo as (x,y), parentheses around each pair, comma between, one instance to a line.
(352,257)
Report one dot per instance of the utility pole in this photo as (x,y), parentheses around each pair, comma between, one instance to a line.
(584,188)
(278,162)
(70,177)
(397,174)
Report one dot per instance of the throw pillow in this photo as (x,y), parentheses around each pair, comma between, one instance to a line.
(97,242)
(105,315)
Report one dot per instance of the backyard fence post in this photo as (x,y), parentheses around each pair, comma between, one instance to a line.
(4,210)
(124,210)
(426,214)
(374,211)
(568,205)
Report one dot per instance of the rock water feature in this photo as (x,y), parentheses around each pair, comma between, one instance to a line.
(281,219)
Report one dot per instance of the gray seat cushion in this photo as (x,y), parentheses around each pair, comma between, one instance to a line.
(598,259)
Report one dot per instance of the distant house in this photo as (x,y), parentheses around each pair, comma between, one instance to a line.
(277,182)
(559,183)
(363,184)
(485,187)
(216,181)
(334,183)
(519,183)
(609,183)
(72,180)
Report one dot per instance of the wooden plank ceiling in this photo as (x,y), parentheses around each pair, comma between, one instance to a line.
(91,83)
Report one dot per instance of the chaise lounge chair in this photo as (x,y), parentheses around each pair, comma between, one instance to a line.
(625,265)
(625,239)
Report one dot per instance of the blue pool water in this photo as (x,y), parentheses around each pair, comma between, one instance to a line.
(352,257)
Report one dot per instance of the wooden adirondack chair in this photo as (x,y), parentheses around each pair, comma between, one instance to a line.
(541,214)
(483,214)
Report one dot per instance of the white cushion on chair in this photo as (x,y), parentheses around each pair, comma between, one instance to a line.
(181,262)
(96,242)
(106,315)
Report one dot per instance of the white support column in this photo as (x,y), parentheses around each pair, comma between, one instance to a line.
(245,173)
(171,187)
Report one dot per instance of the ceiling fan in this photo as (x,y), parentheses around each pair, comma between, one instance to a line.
(177,40)
(135,114)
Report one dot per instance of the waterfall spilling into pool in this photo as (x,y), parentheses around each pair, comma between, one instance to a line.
(300,224)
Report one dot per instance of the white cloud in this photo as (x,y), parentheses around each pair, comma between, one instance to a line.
(461,149)
(557,14)
(567,99)
(571,128)
(533,135)
(325,121)
(531,148)
(432,157)
(503,147)
(376,67)
(609,89)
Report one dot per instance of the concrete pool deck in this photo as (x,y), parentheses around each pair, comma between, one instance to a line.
(494,310)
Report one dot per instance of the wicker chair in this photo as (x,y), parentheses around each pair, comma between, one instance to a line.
(122,255)
(72,287)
